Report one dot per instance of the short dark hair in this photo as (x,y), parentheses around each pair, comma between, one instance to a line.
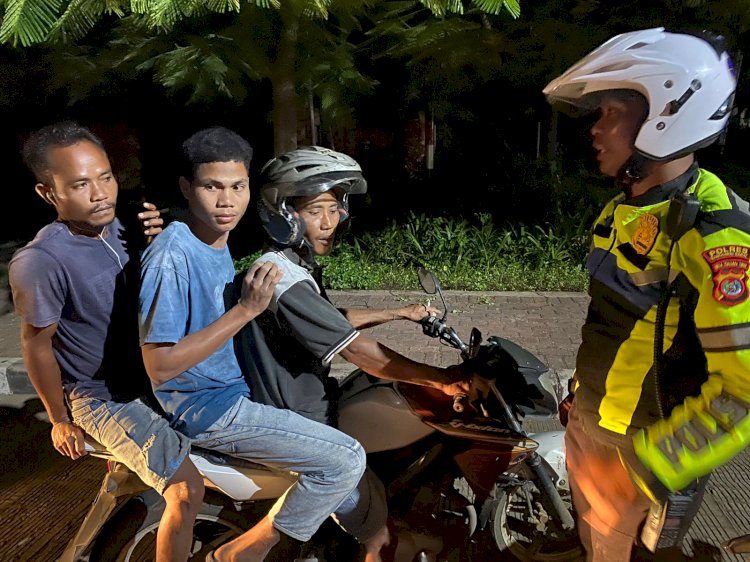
(64,133)
(215,144)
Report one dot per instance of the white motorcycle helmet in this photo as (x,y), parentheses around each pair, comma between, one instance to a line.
(687,80)
(306,171)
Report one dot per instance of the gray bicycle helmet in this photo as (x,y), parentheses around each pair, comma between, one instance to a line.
(306,171)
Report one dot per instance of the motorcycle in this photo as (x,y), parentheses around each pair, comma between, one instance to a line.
(456,477)
(462,479)
(738,545)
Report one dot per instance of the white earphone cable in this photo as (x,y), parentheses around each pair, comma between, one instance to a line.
(111,249)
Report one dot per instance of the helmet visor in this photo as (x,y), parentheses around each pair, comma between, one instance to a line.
(570,100)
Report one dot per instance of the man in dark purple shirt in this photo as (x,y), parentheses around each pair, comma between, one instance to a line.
(75,289)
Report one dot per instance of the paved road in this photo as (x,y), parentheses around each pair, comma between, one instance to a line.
(43,496)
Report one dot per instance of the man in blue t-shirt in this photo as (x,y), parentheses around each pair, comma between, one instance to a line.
(186,337)
(75,290)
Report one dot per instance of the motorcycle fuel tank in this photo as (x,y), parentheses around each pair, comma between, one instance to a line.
(377,415)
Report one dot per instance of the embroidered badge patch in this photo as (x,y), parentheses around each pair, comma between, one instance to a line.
(729,265)
(645,235)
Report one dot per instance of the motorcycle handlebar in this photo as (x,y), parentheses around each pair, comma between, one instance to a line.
(437,328)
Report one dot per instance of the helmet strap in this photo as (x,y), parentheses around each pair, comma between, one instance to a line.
(305,250)
(631,172)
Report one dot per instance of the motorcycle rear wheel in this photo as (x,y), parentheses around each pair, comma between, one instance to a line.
(532,536)
(130,536)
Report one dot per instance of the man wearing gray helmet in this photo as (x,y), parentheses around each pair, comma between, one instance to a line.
(287,350)
(662,392)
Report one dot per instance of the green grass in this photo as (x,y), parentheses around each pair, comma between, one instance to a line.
(465,255)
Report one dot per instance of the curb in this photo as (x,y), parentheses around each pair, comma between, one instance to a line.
(456,292)
(13,377)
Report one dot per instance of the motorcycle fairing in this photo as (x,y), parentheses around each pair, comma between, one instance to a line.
(485,431)
(481,465)
(118,483)
(531,393)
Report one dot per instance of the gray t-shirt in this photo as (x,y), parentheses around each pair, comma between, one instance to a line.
(183,286)
(90,289)
(286,351)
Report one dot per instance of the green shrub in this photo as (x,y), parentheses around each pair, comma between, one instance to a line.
(244,263)
(466,255)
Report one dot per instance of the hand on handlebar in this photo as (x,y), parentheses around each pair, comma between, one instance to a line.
(466,387)
(417,312)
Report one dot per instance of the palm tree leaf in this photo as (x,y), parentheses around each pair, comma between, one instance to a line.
(316,9)
(268,4)
(164,14)
(80,16)
(26,22)
(441,7)
(223,6)
(189,64)
(495,7)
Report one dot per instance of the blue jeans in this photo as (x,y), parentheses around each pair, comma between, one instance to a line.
(328,462)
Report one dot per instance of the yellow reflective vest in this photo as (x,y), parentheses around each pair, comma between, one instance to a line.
(696,416)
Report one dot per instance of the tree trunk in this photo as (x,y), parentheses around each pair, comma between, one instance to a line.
(552,148)
(283,83)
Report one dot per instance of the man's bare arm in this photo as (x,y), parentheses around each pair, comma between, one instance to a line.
(44,373)
(164,361)
(362,318)
(381,361)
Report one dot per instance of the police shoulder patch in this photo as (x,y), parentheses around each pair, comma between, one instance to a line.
(729,266)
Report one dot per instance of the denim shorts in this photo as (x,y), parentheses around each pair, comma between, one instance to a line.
(136,435)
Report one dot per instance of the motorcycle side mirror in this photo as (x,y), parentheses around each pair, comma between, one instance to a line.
(431,286)
(427,280)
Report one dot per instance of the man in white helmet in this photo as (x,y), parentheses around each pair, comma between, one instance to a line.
(662,382)
(287,350)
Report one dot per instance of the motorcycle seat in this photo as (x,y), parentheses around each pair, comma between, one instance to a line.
(95,448)
(738,545)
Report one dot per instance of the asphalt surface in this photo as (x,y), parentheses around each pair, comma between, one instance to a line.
(43,497)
